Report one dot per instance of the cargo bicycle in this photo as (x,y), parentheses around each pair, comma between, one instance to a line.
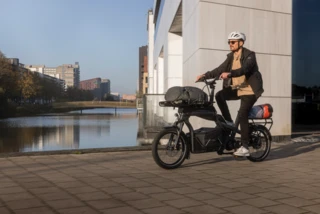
(171,146)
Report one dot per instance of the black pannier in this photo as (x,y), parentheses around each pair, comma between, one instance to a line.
(206,139)
(187,94)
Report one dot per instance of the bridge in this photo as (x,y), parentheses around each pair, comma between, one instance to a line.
(80,105)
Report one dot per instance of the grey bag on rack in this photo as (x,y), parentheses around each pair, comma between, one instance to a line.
(186,94)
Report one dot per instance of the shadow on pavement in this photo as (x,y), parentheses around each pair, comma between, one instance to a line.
(299,144)
(208,161)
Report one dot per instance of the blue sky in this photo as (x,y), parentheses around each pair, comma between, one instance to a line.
(104,36)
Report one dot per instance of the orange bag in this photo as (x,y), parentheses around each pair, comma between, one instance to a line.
(263,111)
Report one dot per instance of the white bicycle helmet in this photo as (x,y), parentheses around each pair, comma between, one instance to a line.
(237,35)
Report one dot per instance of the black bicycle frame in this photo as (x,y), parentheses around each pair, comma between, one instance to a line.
(208,113)
(183,118)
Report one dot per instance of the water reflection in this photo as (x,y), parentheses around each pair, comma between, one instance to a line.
(96,128)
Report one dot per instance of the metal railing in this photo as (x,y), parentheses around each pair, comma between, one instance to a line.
(84,104)
(153,114)
(139,104)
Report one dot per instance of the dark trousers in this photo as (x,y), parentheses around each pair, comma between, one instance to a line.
(247,101)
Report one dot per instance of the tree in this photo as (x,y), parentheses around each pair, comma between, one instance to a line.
(75,94)
(8,76)
(28,86)
(8,80)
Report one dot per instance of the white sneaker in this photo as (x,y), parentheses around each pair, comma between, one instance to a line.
(242,151)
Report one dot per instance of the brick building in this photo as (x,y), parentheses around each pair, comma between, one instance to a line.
(99,87)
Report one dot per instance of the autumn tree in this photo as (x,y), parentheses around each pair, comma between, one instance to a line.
(8,83)
(27,85)
(8,78)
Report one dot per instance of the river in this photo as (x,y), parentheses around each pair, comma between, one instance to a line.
(94,128)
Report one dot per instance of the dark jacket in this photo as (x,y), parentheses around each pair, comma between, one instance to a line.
(249,68)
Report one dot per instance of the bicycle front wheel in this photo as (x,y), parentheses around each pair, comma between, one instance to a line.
(168,150)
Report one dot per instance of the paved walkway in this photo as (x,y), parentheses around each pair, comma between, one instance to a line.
(130,183)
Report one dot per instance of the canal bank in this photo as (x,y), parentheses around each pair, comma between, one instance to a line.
(10,109)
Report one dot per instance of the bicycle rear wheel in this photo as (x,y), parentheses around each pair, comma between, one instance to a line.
(260,143)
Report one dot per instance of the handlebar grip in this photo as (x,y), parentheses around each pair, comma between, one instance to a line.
(201,79)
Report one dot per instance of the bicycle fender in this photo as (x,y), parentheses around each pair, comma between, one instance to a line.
(171,127)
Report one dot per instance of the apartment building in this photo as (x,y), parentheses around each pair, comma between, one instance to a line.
(145,76)
(143,69)
(105,88)
(70,73)
(99,87)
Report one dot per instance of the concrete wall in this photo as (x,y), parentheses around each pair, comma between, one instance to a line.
(167,58)
(206,25)
(150,29)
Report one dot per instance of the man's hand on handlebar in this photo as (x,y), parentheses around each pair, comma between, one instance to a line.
(200,78)
(224,75)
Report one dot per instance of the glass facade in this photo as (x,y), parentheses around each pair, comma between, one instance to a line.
(305,70)
(158,18)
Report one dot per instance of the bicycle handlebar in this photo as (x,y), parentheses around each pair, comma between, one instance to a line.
(205,80)
(213,82)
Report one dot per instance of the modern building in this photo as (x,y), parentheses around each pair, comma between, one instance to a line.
(115,96)
(93,85)
(99,87)
(58,81)
(305,72)
(190,38)
(38,69)
(105,88)
(90,84)
(145,76)
(16,65)
(143,68)
(150,29)
(51,71)
(129,97)
(68,72)
(42,69)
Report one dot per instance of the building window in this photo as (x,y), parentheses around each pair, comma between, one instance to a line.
(305,72)
(146,79)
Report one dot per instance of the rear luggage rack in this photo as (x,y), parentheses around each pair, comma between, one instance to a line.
(264,122)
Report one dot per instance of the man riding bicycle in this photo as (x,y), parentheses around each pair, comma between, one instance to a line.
(240,70)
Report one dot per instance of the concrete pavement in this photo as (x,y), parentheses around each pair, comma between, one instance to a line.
(130,182)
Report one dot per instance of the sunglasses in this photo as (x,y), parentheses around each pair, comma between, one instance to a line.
(232,42)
